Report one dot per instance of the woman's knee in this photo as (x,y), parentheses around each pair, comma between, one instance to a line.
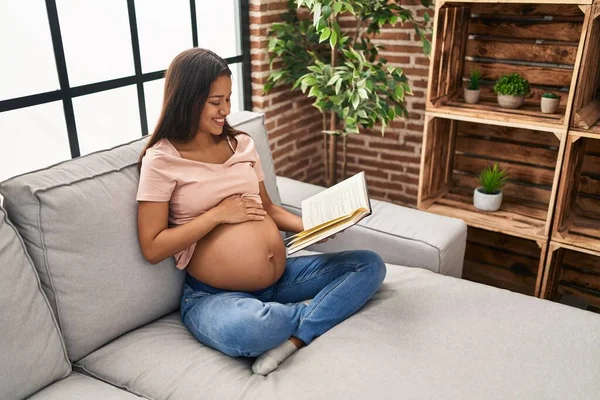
(373,264)
(251,329)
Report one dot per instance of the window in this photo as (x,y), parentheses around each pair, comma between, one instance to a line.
(85,76)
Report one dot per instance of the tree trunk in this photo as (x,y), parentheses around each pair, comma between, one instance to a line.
(332,138)
(344,145)
(325,154)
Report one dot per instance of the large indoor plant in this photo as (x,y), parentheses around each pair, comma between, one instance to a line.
(341,69)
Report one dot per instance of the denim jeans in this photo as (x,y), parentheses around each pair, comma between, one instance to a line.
(250,323)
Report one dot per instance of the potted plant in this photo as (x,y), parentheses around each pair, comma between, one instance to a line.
(488,197)
(511,90)
(472,90)
(340,69)
(550,102)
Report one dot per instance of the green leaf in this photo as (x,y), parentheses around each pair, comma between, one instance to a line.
(393,19)
(314,91)
(333,39)
(310,80)
(324,34)
(362,114)
(316,13)
(326,11)
(338,86)
(426,17)
(363,94)
(399,93)
(337,7)
(333,80)
(355,101)
(391,113)
(426,47)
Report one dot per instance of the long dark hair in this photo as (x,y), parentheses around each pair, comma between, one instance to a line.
(187,85)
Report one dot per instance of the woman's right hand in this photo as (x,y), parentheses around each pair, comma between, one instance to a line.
(235,209)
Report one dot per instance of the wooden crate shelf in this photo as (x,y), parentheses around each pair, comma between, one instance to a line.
(455,150)
(586,103)
(577,217)
(572,276)
(504,261)
(542,42)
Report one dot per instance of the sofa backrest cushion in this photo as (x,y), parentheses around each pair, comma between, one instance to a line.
(32,353)
(254,124)
(79,222)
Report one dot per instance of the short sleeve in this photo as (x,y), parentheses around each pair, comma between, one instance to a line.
(258,169)
(156,181)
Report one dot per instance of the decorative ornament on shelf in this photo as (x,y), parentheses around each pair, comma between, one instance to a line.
(488,197)
(472,91)
(511,90)
(550,102)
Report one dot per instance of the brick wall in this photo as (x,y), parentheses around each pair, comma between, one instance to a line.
(391,162)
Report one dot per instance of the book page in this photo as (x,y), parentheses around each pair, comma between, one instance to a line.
(336,201)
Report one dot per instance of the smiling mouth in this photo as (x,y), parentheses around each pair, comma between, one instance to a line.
(219,121)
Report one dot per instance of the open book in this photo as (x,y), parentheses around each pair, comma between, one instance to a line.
(331,211)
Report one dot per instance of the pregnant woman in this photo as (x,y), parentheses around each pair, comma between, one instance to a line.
(202,199)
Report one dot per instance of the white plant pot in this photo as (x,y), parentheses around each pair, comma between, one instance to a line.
(507,101)
(486,202)
(549,106)
(471,96)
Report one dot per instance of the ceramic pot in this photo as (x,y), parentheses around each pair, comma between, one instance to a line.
(471,96)
(549,106)
(486,202)
(507,101)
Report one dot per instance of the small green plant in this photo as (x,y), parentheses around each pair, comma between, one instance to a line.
(475,78)
(492,179)
(551,96)
(512,85)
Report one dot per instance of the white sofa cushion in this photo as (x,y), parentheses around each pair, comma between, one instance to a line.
(80,387)
(32,354)
(422,336)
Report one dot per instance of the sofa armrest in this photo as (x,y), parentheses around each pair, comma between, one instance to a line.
(401,235)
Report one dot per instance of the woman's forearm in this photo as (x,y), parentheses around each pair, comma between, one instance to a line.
(173,240)
(285,220)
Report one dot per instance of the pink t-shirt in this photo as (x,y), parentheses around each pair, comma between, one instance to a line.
(194,187)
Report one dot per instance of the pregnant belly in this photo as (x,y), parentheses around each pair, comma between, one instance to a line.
(242,257)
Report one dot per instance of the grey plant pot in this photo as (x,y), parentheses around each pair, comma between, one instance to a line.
(507,101)
(549,106)
(471,96)
(486,202)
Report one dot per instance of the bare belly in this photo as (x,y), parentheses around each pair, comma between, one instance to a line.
(242,257)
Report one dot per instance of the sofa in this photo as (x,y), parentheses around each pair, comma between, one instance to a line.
(84,316)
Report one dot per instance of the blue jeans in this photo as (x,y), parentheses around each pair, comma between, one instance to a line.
(250,323)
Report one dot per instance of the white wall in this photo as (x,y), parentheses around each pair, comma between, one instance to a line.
(97,44)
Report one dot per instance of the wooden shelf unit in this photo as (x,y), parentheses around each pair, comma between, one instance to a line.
(502,38)
(572,276)
(504,261)
(550,216)
(577,216)
(455,150)
(586,103)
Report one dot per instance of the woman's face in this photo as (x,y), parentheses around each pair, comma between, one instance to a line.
(217,106)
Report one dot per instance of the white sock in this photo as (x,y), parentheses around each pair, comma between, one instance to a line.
(270,360)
